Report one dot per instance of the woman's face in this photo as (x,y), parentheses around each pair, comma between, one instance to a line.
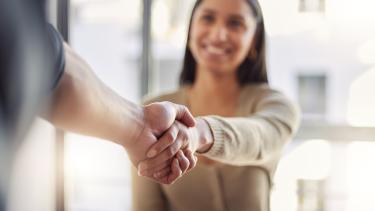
(221,34)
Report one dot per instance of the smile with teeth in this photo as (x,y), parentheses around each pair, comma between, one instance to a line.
(216,50)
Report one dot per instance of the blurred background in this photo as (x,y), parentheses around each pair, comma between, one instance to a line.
(321,53)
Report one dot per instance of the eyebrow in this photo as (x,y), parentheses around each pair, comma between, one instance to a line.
(207,10)
(235,16)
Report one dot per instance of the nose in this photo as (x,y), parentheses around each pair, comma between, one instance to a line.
(219,33)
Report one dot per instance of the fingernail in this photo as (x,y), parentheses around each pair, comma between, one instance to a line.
(139,172)
(176,162)
(141,168)
(151,153)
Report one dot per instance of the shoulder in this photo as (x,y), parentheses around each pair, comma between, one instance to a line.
(270,102)
(253,94)
(260,92)
(262,96)
(177,96)
(259,89)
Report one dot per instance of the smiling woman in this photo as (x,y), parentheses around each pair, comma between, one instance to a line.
(220,38)
(230,35)
(333,45)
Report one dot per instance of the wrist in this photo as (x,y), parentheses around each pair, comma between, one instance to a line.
(133,125)
(205,136)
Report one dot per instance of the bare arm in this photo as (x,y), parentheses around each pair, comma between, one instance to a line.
(85,105)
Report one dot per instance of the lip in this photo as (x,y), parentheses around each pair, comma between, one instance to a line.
(214,51)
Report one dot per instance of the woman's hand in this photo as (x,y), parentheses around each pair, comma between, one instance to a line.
(173,154)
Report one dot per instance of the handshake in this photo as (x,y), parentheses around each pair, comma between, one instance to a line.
(163,147)
(160,138)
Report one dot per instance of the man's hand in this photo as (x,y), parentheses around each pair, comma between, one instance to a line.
(158,118)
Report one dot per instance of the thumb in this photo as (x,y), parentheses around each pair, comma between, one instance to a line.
(184,116)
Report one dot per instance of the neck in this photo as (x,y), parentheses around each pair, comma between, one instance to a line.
(223,87)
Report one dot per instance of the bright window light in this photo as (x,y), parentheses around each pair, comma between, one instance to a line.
(366,53)
(361,105)
(360,176)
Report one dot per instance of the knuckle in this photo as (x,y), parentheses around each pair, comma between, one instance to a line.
(170,152)
(184,140)
(185,136)
(169,138)
(184,163)
(157,148)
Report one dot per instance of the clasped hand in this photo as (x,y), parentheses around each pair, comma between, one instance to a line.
(164,149)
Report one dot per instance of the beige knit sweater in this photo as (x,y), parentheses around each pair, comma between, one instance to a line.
(248,147)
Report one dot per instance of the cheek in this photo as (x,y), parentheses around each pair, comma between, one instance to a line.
(196,32)
(249,44)
(193,47)
(195,37)
(250,38)
(245,44)
(192,44)
(192,37)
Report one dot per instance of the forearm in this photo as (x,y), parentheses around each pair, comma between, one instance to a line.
(245,141)
(254,140)
(84,104)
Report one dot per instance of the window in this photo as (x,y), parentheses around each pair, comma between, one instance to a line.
(312,6)
(107,34)
(312,95)
(170,20)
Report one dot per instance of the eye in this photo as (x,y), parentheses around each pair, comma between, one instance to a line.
(207,18)
(235,24)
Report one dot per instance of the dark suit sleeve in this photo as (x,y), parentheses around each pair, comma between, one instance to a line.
(55,42)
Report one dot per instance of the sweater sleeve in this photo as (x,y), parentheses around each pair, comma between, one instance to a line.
(146,194)
(257,138)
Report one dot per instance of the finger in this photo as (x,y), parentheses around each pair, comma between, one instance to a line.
(183,161)
(184,164)
(165,141)
(162,157)
(183,115)
(152,170)
(162,173)
(175,172)
(192,159)
(163,180)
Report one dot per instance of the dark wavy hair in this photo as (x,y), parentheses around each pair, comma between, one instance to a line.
(252,70)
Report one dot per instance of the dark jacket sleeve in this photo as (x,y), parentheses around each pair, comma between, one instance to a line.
(55,42)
